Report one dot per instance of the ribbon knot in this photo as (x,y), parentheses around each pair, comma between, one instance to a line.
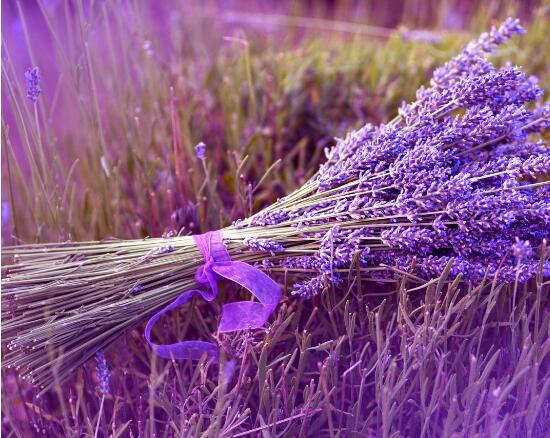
(204,273)
(235,316)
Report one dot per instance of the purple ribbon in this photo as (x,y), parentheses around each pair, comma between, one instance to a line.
(235,316)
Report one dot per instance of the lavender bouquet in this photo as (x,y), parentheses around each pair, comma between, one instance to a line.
(455,181)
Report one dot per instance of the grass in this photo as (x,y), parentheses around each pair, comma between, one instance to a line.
(109,151)
(437,360)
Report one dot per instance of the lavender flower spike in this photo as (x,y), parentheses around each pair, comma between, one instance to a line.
(103,372)
(200,150)
(522,250)
(32,76)
(263,245)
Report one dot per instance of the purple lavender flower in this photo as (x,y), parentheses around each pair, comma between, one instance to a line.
(309,288)
(432,186)
(471,62)
(32,77)
(103,373)
(466,62)
(6,212)
(346,147)
(263,245)
(535,165)
(200,151)
(522,250)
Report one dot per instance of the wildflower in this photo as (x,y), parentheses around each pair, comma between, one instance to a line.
(200,151)
(103,372)
(32,76)
(263,245)
(466,62)
(433,186)
(522,250)
(309,288)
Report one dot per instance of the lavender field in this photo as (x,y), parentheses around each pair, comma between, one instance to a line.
(378,171)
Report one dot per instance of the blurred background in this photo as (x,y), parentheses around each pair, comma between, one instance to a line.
(128,88)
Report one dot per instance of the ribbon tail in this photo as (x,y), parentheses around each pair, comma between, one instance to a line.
(243,315)
(181,350)
(247,314)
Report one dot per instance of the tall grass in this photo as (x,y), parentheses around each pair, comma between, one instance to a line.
(444,359)
(108,150)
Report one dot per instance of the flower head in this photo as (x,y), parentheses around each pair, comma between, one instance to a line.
(522,250)
(32,76)
(103,372)
(450,179)
(263,245)
(200,151)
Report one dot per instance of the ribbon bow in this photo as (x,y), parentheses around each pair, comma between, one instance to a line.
(235,316)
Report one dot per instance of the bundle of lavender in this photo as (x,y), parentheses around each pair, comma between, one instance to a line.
(455,178)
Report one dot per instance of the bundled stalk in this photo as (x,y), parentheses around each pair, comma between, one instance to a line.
(456,177)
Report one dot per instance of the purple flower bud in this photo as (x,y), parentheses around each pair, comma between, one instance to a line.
(200,151)
(421,35)
(160,250)
(32,77)
(103,372)
(263,245)
(522,250)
